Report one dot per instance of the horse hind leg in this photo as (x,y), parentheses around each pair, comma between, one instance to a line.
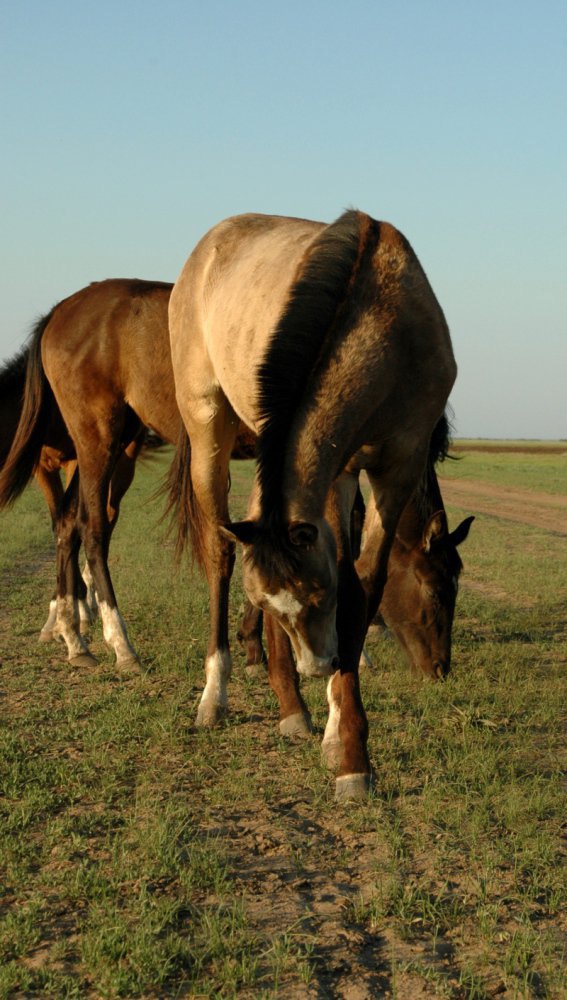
(66,623)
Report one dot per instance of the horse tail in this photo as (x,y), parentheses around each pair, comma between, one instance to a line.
(12,385)
(182,504)
(36,406)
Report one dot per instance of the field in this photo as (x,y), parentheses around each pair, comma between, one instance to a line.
(142,858)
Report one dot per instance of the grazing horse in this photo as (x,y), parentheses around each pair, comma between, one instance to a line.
(96,373)
(53,451)
(328,342)
(97,370)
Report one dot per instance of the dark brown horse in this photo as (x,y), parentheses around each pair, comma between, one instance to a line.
(328,342)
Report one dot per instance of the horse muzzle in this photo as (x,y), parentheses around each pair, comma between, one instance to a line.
(317,666)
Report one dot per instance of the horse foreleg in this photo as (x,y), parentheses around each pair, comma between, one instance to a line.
(95,531)
(344,745)
(249,636)
(206,500)
(218,664)
(295,719)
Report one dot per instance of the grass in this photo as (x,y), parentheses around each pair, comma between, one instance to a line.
(141,858)
(542,468)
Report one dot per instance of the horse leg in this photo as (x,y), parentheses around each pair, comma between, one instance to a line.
(346,733)
(249,636)
(66,624)
(121,481)
(49,482)
(295,719)
(211,447)
(96,461)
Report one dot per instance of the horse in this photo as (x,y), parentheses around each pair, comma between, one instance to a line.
(29,410)
(328,342)
(56,456)
(97,372)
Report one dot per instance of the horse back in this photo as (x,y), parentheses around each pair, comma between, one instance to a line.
(108,345)
(227,301)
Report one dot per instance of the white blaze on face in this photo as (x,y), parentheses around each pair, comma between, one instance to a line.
(285,605)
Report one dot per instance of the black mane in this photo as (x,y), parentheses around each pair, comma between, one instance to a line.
(427,495)
(321,286)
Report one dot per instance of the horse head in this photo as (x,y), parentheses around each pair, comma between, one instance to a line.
(419,598)
(291,574)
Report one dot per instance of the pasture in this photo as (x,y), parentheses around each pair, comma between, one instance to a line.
(142,858)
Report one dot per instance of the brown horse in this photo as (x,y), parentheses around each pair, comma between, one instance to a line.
(328,342)
(106,353)
(97,370)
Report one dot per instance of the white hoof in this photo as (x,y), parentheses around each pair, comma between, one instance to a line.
(352,788)
(296,725)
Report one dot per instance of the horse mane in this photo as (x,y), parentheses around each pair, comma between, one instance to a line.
(427,497)
(322,283)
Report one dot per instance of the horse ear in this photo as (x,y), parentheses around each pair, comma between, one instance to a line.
(246,532)
(459,534)
(434,530)
(302,534)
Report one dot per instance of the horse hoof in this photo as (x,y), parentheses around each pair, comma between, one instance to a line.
(46,635)
(209,716)
(130,663)
(352,788)
(83,660)
(255,671)
(332,753)
(297,724)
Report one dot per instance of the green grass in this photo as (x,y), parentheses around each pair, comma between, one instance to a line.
(141,858)
(545,472)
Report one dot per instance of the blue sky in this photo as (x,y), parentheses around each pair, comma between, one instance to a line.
(130,128)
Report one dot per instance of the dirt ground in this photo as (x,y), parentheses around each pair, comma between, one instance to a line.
(539,510)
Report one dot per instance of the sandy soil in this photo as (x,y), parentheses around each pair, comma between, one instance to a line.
(539,510)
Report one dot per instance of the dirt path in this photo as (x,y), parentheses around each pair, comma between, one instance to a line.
(539,510)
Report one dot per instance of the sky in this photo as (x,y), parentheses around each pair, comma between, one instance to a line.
(128,129)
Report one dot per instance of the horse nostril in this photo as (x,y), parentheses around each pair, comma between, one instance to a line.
(440,670)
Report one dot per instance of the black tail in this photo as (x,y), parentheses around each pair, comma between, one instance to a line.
(182,503)
(12,387)
(36,404)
